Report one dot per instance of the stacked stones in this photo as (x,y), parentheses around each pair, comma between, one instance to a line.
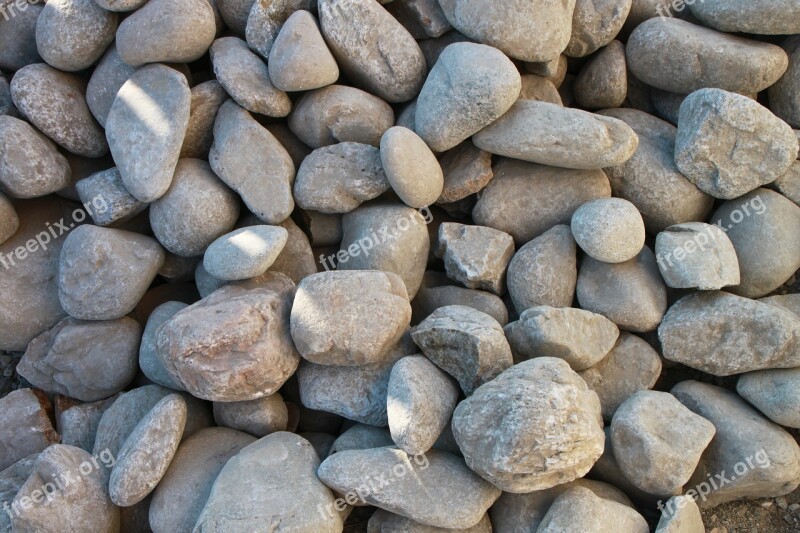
(408,265)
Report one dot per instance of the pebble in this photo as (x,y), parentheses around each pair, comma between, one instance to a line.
(258,417)
(107,79)
(789,184)
(77,424)
(265,20)
(431,297)
(235,13)
(361,437)
(9,220)
(244,253)
(207,98)
(26,426)
(536,87)
(595,24)
(580,508)
(422,18)
(107,189)
(296,260)
(410,167)
(30,165)
(766,17)
(603,81)
(475,256)
(774,393)
(149,363)
(685,262)
(18,37)
(783,94)
(610,230)
(466,170)
(385,522)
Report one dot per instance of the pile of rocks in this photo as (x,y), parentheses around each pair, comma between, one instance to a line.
(398,265)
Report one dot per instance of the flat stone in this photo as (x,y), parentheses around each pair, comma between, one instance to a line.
(603,81)
(582,509)
(107,189)
(696,255)
(207,98)
(258,417)
(411,168)
(476,256)
(244,253)
(774,392)
(26,426)
(595,23)
(149,362)
(765,17)
(610,230)
(265,20)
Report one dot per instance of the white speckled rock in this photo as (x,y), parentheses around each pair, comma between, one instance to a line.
(476,256)
(609,229)
(71,35)
(696,255)
(411,168)
(244,253)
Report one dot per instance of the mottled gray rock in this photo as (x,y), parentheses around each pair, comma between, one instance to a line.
(77,424)
(603,81)
(784,93)
(789,302)
(71,35)
(595,23)
(411,168)
(6,104)
(107,79)
(475,256)
(696,255)
(107,190)
(149,362)
(207,98)
(373,48)
(774,392)
(550,134)
(610,230)
(104,272)
(583,510)
(258,417)
(294,500)
(462,497)
(466,343)
(385,522)
(430,297)
(235,13)
(18,35)
(145,129)
(251,161)
(730,62)
(764,17)
(729,144)
(265,20)
(544,427)
(26,426)
(244,253)
(681,515)
(30,164)
(467,170)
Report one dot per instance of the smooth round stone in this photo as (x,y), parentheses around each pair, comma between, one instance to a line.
(609,229)
(296,260)
(244,253)
(235,13)
(72,35)
(774,392)
(107,79)
(581,509)
(603,81)
(258,417)
(30,164)
(730,62)
(470,86)
(595,24)
(373,48)
(167,31)
(106,191)
(695,255)
(54,102)
(266,19)
(784,95)
(411,168)
(196,209)
(120,5)
(761,17)
(151,365)
(207,98)
(340,114)
(9,220)
(681,514)
(145,129)
(18,36)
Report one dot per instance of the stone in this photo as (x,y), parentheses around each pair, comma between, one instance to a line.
(549,134)
(88,361)
(729,144)
(246,78)
(579,337)
(476,256)
(340,114)
(466,170)
(422,18)
(385,522)
(258,417)
(789,302)
(338,178)
(525,199)
(167,31)
(148,451)
(582,509)
(789,184)
(411,168)
(361,437)
(536,87)
(770,454)
(603,81)
(610,230)
(104,272)
(26,426)
(543,424)
(120,5)
(696,255)
(299,59)
(774,392)
(55,103)
(6,104)
(766,17)
(296,260)
(9,220)
(235,13)
(207,98)
(595,24)
(730,62)
(18,36)
(77,424)
(681,515)
(607,470)
(251,161)
(11,480)
(294,500)
(466,74)
(107,79)
(360,332)
(420,401)
(372,48)
(463,497)
(107,189)
(464,342)
(630,294)
(431,298)
(233,345)
(30,164)
(244,253)
(265,20)
(150,364)
(145,129)
(784,92)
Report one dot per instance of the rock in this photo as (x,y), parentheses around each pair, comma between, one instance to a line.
(764,18)
(543,423)
(182,493)
(246,78)
(544,271)
(107,189)
(258,417)
(774,392)
(536,87)
(151,365)
(235,13)
(789,302)
(582,509)
(389,237)
(685,262)
(88,361)
(148,451)
(30,164)
(466,170)
(789,184)
(431,298)
(411,168)
(294,500)
(71,35)
(372,48)
(296,260)
(610,230)
(107,79)
(680,515)
(77,424)
(762,225)
(338,178)
(244,253)
(82,505)
(783,94)
(207,98)
(145,129)
(420,402)
(120,5)
(167,31)
(338,113)
(9,220)
(233,345)
(466,343)
(422,18)
(595,24)
(658,442)
(728,144)
(525,200)
(6,104)
(385,522)
(265,20)
(362,335)
(18,36)
(730,62)
(547,133)
(476,256)
(104,272)
(528,31)
(772,466)
(630,294)
(470,86)
(26,426)
(362,437)
(299,59)
(54,102)
(603,80)
(11,480)
(463,497)
(251,161)
(579,337)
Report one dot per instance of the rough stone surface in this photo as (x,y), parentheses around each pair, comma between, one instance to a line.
(265,20)
(77,424)
(610,230)
(26,426)
(696,255)
(71,35)
(431,297)
(107,190)
(258,417)
(595,23)
(476,256)
(681,515)
(18,38)
(467,170)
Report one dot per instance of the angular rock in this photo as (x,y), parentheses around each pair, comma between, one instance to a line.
(432,297)
(26,426)
(774,392)
(207,98)
(583,510)
(696,255)
(610,230)
(258,417)
(107,189)
(411,168)
(77,424)
(476,256)
(466,169)
(30,164)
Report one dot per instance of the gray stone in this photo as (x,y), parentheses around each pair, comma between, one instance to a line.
(535,426)
(535,87)
(30,164)
(9,220)
(668,105)
(107,79)
(789,302)
(11,480)
(467,170)
(258,417)
(603,81)
(764,17)
(783,93)
(411,168)
(422,18)
(595,23)
(610,230)
(207,98)
(26,426)
(789,184)
(476,256)
(385,522)
(362,437)
(151,365)
(107,189)
(235,13)
(681,515)
(265,20)
(431,297)
(6,104)
(583,510)
(77,424)
(18,35)
(71,35)
(120,5)
(774,392)
(554,70)
(145,129)
(244,253)
(696,255)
